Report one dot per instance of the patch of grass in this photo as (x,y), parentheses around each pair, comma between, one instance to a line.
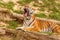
(45,2)
(7,5)
(21,2)
(58,17)
(28,1)
(55,9)
(12,24)
(42,9)
(41,15)
(2,4)
(24,2)
(35,1)
(55,16)
(17,11)
(36,4)
(10,5)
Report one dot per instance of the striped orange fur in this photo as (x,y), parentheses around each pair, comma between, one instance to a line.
(44,26)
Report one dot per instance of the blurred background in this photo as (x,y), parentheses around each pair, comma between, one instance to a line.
(49,9)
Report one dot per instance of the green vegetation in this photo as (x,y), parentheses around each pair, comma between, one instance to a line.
(10,5)
(2,4)
(24,2)
(36,4)
(42,9)
(54,16)
(12,24)
(7,5)
(41,15)
(49,5)
(18,11)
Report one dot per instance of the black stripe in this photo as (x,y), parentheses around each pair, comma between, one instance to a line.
(31,23)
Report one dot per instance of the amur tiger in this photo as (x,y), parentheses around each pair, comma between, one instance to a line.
(44,26)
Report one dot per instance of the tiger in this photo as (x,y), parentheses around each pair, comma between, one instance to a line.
(44,26)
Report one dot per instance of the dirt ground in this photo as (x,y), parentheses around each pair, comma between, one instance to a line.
(26,35)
